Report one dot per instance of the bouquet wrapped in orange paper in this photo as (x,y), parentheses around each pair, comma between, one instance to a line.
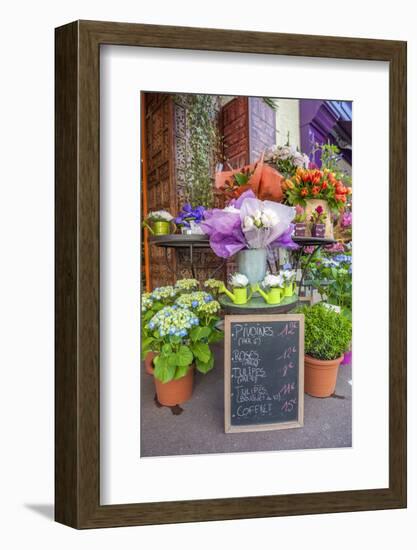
(261,178)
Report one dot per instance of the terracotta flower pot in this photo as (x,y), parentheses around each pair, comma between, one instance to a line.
(149,362)
(174,392)
(320,376)
(177,391)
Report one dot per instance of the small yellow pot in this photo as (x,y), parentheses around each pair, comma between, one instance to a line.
(161,228)
(289,290)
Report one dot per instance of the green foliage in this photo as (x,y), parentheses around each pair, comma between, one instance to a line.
(271,103)
(327,333)
(333,283)
(243,177)
(206,366)
(330,157)
(203,148)
(175,353)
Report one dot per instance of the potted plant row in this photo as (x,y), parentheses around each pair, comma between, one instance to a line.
(317,225)
(273,288)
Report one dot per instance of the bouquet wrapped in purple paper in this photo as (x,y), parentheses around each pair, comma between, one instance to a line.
(249,223)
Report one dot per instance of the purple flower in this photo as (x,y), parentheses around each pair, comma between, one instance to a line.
(188,213)
(335,247)
(346,220)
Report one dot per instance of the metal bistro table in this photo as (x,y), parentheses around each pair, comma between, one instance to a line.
(190,242)
(257,304)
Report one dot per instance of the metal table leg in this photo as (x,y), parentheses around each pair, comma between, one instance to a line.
(304,271)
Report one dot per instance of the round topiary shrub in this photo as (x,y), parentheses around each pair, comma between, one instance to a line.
(326,333)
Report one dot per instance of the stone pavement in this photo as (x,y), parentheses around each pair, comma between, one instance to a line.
(199,429)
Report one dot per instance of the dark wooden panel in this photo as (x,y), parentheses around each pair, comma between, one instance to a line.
(66,178)
(167,141)
(235,130)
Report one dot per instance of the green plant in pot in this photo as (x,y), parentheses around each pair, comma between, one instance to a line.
(272,289)
(336,272)
(300,221)
(151,303)
(317,219)
(241,289)
(179,336)
(289,277)
(327,334)
(159,222)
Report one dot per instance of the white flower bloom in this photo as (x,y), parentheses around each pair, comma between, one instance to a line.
(284,152)
(160,215)
(269,218)
(288,275)
(273,281)
(238,280)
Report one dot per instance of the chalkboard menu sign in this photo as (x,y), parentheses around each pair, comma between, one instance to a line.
(264,372)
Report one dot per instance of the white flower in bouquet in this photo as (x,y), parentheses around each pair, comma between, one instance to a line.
(248,223)
(284,152)
(288,275)
(300,160)
(160,216)
(269,218)
(273,281)
(264,221)
(238,280)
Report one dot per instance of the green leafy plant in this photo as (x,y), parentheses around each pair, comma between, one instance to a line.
(178,354)
(327,333)
(330,157)
(318,215)
(181,332)
(332,278)
(202,147)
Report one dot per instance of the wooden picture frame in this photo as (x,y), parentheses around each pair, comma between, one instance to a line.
(77,375)
(299,423)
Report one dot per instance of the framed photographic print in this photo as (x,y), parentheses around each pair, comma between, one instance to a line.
(230,274)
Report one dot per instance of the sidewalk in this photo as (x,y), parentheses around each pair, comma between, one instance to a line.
(199,429)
